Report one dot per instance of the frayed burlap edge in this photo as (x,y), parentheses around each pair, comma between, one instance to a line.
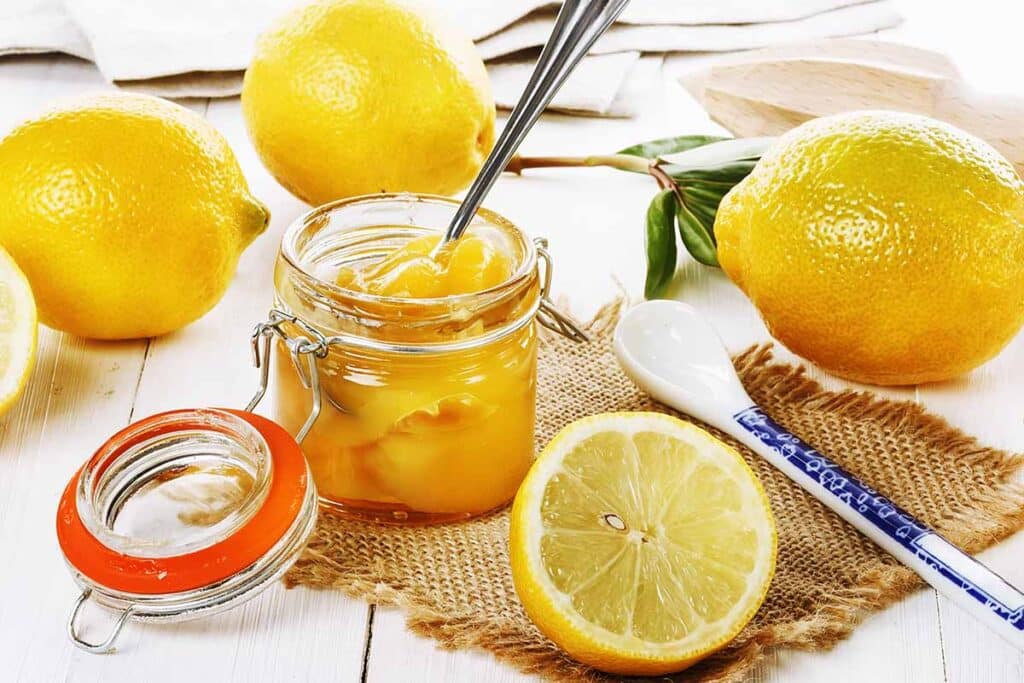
(988,520)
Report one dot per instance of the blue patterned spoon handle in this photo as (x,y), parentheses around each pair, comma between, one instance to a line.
(949,570)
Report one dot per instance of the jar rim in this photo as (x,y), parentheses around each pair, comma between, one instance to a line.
(100,501)
(290,251)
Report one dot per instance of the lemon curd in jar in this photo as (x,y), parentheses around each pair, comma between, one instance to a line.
(429,385)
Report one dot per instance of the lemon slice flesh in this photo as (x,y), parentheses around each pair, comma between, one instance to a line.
(640,543)
(18,325)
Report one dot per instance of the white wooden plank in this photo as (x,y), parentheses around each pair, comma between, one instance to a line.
(877,649)
(29,83)
(79,393)
(397,655)
(83,392)
(282,633)
(972,653)
(985,403)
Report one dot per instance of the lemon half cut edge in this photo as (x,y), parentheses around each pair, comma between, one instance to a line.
(18,326)
(640,543)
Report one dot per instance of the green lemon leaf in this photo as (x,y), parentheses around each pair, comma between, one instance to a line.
(705,194)
(703,201)
(660,243)
(723,177)
(696,229)
(718,153)
(704,212)
(652,149)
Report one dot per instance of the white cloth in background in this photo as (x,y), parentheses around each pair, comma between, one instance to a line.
(852,20)
(578,92)
(33,26)
(691,12)
(481,18)
(137,39)
(199,48)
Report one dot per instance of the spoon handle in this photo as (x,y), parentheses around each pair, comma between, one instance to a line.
(579,24)
(955,574)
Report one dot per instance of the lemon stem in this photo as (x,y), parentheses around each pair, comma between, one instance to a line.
(664,181)
(623,162)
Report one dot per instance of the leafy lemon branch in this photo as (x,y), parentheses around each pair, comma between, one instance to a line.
(693,172)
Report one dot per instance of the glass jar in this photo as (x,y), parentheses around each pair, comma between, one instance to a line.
(427,404)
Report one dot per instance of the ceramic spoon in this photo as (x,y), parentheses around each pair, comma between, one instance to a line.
(673,353)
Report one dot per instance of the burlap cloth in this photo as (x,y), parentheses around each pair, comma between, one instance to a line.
(453,581)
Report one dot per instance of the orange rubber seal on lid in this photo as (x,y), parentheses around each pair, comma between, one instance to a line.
(156,575)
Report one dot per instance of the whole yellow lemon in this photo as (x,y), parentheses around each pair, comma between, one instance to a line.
(885,247)
(127,214)
(350,97)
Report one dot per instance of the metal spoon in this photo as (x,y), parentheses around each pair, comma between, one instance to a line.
(674,354)
(579,24)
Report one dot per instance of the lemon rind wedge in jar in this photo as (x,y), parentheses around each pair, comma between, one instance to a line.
(641,544)
(475,263)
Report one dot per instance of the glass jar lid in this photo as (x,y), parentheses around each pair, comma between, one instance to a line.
(183,514)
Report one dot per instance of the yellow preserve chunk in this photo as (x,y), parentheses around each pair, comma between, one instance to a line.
(426,435)
(477,262)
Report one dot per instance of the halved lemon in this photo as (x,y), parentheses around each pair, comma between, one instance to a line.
(640,543)
(18,325)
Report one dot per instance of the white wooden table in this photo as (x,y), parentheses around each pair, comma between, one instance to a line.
(82,391)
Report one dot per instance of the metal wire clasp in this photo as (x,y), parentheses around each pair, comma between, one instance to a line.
(107,644)
(304,348)
(548,314)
